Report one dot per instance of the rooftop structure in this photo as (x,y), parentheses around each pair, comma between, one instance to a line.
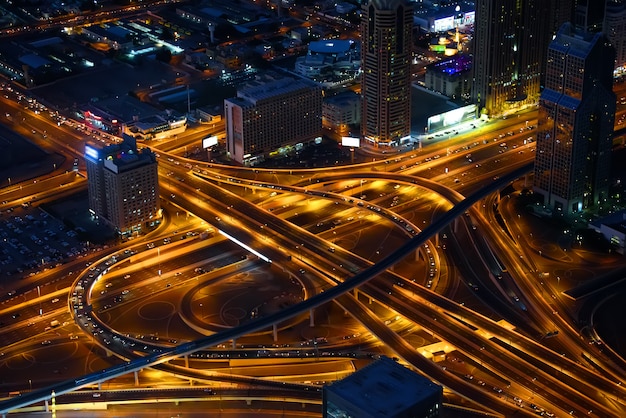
(383,389)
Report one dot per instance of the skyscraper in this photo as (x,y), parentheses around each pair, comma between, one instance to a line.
(589,14)
(386,40)
(123,185)
(614,26)
(510,39)
(576,115)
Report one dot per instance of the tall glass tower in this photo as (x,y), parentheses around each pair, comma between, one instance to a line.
(386,40)
(614,26)
(575,122)
(509,47)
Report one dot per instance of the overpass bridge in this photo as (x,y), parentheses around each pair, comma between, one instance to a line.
(349,284)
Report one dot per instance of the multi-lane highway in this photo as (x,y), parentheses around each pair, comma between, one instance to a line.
(322,228)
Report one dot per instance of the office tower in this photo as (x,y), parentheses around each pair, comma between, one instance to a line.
(269,113)
(561,11)
(123,185)
(589,15)
(575,127)
(614,27)
(386,40)
(510,39)
(382,389)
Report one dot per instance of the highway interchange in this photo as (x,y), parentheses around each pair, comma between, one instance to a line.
(404,256)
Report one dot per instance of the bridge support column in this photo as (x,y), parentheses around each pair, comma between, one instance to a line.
(99,385)
(136,373)
(311,318)
(46,405)
(356,293)
(417,254)
(455,225)
(186,361)
(275,332)
(234,344)
(248,402)
(392,267)
(437,239)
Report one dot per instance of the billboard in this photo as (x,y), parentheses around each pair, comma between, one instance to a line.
(451,118)
(348,141)
(91,153)
(209,141)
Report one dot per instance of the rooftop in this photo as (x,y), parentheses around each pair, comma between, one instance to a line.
(385,380)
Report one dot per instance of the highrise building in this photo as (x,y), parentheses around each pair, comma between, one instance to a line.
(123,185)
(589,15)
(614,27)
(386,41)
(561,11)
(575,123)
(270,113)
(509,47)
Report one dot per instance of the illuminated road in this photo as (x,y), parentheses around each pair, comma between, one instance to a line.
(273,213)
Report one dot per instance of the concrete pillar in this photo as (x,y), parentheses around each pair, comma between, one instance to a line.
(275,332)
(311,318)
(47,406)
(234,344)
(248,402)
(186,361)
(417,254)
(455,226)
(136,373)
(99,385)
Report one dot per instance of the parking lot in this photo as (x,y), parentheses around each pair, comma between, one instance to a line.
(32,241)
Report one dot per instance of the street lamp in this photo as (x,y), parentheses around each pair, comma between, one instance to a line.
(299,248)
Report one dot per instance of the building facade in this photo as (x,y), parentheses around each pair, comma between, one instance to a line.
(575,122)
(271,113)
(123,186)
(509,47)
(589,15)
(342,111)
(386,41)
(614,26)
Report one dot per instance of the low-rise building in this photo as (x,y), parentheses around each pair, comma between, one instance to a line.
(383,389)
(341,111)
(450,77)
(330,59)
